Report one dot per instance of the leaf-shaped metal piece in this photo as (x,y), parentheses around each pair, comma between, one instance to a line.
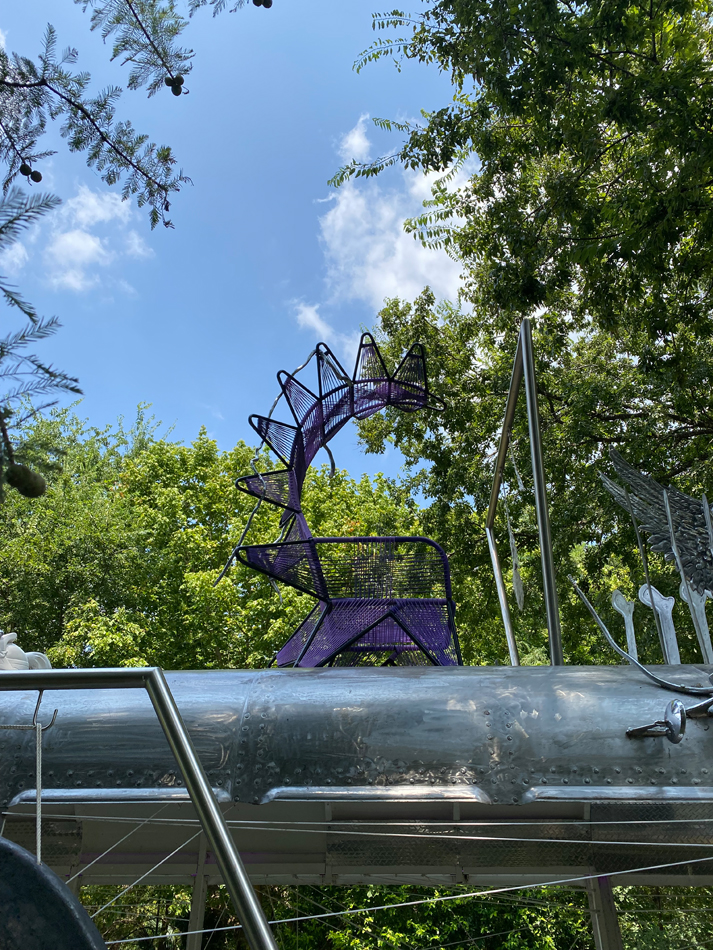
(689,520)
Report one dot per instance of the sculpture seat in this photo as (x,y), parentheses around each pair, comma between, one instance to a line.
(389,597)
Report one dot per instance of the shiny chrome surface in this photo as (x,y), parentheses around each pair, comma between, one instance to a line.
(311,764)
(524,368)
(250,913)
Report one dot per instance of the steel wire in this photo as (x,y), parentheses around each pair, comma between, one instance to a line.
(447,897)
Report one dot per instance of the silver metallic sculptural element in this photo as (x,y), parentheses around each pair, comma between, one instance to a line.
(626,609)
(686,526)
(663,606)
(697,605)
(680,528)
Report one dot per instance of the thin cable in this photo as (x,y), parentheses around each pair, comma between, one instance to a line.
(275,825)
(447,897)
(116,844)
(150,871)
(450,836)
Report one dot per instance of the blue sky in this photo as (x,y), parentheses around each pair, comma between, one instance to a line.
(265,259)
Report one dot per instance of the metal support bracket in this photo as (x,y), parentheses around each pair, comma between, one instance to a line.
(524,367)
(247,906)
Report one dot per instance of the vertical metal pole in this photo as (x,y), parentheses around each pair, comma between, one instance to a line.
(38,791)
(605,923)
(255,926)
(513,392)
(194,941)
(502,597)
(543,517)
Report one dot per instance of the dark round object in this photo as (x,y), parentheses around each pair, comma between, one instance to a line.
(39,912)
(28,483)
(258,3)
(267,4)
(25,169)
(36,176)
(178,81)
(169,81)
(176,90)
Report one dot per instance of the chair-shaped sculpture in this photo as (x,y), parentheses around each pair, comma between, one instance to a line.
(380,601)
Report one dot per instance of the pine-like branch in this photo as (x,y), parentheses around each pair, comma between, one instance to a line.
(31,94)
(144,34)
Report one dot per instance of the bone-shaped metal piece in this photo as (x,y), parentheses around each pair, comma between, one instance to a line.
(626,609)
(697,606)
(664,608)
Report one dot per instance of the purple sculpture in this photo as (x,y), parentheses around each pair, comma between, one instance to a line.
(380,601)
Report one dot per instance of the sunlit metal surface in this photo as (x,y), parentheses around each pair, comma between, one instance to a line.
(347,750)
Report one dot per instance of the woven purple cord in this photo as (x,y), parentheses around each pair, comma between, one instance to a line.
(380,601)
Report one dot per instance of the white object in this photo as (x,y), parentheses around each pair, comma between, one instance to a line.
(697,606)
(664,610)
(12,657)
(626,609)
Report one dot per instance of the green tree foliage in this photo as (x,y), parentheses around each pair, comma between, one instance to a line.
(116,564)
(587,126)
(594,393)
(144,35)
(23,376)
(575,188)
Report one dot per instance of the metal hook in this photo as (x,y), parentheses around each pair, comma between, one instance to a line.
(37,709)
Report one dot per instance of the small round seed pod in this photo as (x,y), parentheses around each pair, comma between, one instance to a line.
(28,483)
(36,176)
(25,170)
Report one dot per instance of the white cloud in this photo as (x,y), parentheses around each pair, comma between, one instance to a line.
(89,207)
(355,144)
(85,241)
(70,254)
(13,259)
(136,246)
(309,318)
(3,39)
(369,256)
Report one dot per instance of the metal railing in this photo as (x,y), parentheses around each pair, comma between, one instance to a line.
(255,926)
(524,367)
